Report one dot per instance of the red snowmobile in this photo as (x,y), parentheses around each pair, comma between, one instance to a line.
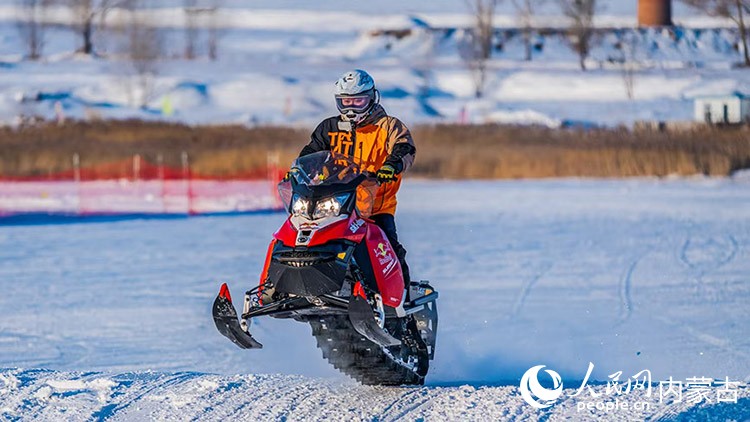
(332,267)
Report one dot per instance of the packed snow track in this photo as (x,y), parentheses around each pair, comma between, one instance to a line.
(112,320)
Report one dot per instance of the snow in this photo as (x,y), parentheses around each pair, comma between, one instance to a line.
(181,396)
(293,13)
(111,320)
(530,117)
(595,87)
(627,274)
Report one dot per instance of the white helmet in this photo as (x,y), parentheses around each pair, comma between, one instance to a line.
(356,95)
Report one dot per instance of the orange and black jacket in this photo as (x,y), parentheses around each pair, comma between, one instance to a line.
(379,139)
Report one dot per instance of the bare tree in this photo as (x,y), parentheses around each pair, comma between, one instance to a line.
(628,46)
(476,49)
(201,23)
(86,13)
(143,48)
(213,30)
(525,10)
(734,10)
(581,31)
(32,26)
(191,28)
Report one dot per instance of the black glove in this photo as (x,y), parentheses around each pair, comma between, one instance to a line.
(386,174)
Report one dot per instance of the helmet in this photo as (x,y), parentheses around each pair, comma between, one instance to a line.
(356,95)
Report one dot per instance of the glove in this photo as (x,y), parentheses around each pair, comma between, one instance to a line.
(386,174)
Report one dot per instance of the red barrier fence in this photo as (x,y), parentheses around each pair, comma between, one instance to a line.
(137,168)
(139,187)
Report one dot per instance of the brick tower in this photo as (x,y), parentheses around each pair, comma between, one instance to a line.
(654,12)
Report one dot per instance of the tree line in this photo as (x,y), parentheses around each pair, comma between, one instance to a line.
(91,19)
(580,34)
(143,44)
(139,41)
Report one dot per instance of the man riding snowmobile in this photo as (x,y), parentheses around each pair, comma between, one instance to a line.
(336,263)
(381,143)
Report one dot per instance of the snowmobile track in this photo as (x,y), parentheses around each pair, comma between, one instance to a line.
(526,290)
(356,356)
(718,251)
(625,287)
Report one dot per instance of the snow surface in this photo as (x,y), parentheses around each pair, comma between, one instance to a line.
(629,275)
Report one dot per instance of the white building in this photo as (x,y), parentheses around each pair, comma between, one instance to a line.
(731,108)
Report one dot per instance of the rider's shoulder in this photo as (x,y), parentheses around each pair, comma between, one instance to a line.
(394,122)
(329,122)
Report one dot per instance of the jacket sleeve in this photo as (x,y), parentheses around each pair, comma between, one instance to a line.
(318,141)
(401,149)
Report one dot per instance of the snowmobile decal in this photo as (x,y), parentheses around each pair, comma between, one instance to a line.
(355,226)
(386,267)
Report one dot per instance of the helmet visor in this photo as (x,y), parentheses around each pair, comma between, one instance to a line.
(354,103)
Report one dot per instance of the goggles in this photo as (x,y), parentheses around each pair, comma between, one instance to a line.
(354,103)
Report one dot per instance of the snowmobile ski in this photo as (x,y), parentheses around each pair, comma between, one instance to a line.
(363,321)
(227,322)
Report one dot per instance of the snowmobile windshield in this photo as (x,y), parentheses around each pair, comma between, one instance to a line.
(326,173)
(325,168)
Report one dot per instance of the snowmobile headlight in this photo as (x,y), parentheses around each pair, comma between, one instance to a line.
(301,207)
(329,207)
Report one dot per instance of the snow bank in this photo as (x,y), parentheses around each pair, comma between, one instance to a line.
(594,87)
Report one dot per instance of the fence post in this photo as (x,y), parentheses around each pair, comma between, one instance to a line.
(272,169)
(77,180)
(160,164)
(136,167)
(188,178)
(76,167)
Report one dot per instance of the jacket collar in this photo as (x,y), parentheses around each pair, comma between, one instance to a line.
(377,113)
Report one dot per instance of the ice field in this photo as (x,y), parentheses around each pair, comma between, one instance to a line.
(101,320)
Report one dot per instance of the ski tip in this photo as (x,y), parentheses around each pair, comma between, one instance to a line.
(224,292)
(359,291)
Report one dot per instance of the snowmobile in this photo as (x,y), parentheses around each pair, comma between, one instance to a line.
(333,268)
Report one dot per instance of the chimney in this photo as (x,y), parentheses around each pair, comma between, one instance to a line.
(654,12)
